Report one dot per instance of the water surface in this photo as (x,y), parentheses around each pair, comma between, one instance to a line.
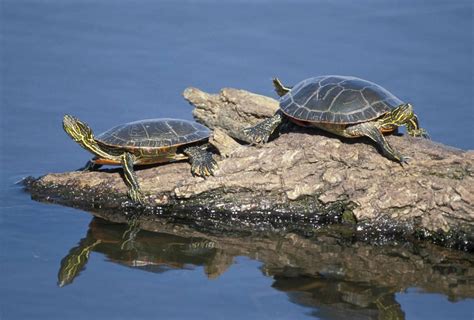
(109,62)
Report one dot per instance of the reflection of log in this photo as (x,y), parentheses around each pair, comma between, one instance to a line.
(296,181)
(323,271)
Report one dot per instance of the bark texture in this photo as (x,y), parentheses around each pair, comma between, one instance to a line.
(297,181)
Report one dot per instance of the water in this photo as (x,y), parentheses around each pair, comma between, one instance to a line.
(109,62)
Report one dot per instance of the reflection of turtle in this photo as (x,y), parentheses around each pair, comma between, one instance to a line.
(75,261)
(346,106)
(152,252)
(144,142)
(338,298)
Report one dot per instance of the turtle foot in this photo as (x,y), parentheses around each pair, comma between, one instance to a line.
(90,166)
(404,160)
(396,156)
(136,196)
(257,134)
(261,132)
(419,133)
(202,161)
(401,159)
(203,165)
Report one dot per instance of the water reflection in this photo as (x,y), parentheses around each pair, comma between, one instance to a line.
(340,299)
(149,251)
(338,279)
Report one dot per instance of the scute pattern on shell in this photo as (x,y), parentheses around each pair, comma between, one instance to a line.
(337,99)
(154,133)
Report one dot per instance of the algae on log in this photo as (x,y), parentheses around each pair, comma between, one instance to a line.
(298,181)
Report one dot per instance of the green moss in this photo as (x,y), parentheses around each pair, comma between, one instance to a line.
(349,217)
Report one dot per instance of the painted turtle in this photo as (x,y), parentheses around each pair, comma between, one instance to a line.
(144,142)
(346,106)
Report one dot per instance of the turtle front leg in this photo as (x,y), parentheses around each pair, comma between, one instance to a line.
(414,130)
(369,129)
(202,161)
(134,192)
(130,234)
(261,132)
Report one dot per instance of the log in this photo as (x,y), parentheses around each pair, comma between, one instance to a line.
(297,182)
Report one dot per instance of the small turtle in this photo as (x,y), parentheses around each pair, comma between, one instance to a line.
(345,106)
(144,142)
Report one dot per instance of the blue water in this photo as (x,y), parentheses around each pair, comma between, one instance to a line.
(109,62)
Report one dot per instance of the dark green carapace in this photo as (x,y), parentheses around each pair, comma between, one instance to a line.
(346,106)
(144,142)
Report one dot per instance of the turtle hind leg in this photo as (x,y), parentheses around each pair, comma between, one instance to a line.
(90,166)
(280,89)
(261,132)
(130,178)
(369,129)
(202,161)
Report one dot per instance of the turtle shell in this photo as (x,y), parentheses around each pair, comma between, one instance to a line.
(337,99)
(154,133)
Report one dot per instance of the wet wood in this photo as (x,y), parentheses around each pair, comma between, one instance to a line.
(299,180)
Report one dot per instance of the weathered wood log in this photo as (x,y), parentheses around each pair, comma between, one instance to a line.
(302,179)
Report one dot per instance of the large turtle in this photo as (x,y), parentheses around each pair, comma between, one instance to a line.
(346,106)
(144,142)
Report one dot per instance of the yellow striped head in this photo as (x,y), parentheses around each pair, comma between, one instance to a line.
(76,129)
(401,114)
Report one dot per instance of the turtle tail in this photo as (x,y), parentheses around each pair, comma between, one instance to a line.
(280,88)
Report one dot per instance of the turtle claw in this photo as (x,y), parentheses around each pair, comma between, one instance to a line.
(418,133)
(203,166)
(422,133)
(202,162)
(404,160)
(398,157)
